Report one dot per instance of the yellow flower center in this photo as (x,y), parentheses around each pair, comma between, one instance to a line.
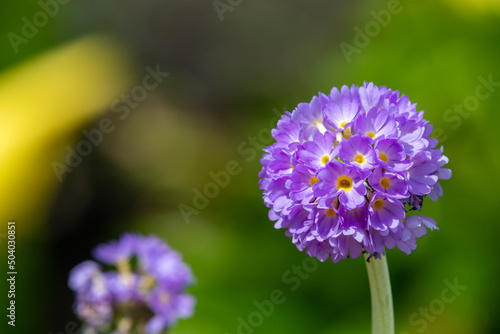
(325,159)
(382,156)
(385,183)
(292,166)
(342,125)
(344,183)
(330,212)
(146,283)
(370,134)
(359,158)
(378,204)
(314,180)
(123,266)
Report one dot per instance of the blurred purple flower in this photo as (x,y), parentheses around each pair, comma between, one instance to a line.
(147,288)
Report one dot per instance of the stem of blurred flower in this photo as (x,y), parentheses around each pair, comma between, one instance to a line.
(381,295)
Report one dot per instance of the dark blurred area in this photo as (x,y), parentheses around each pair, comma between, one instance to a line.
(227,80)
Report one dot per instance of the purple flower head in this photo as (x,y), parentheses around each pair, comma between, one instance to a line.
(147,287)
(347,168)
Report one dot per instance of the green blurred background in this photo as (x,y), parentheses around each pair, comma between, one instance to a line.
(227,80)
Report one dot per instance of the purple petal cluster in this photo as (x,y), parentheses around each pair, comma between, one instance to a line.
(145,290)
(346,169)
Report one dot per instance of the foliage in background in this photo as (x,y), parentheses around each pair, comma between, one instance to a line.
(226,79)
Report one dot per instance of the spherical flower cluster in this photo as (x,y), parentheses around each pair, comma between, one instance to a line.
(146,292)
(346,169)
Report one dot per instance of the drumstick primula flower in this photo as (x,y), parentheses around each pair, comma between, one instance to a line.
(346,169)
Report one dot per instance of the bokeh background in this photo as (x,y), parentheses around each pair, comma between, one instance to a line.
(227,80)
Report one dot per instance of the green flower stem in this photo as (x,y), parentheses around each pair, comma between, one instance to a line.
(381,295)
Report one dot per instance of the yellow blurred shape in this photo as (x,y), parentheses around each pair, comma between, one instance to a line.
(468,7)
(42,103)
